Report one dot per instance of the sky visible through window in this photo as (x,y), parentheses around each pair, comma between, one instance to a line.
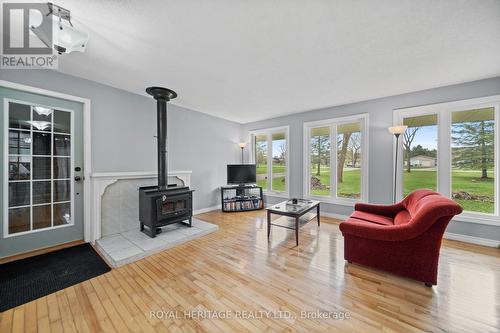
(277,147)
(426,137)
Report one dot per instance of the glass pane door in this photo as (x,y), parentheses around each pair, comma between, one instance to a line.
(39,189)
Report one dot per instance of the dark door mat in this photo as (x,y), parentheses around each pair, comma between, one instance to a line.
(27,279)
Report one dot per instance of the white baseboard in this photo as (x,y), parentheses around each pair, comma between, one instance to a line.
(205,210)
(472,239)
(334,215)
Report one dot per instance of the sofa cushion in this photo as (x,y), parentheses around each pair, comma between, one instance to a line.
(373,218)
(402,217)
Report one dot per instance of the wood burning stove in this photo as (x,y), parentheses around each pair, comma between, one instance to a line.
(160,208)
(163,204)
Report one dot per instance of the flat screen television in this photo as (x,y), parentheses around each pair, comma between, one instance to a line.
(241,174)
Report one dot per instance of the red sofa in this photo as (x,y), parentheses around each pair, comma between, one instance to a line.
(403,238)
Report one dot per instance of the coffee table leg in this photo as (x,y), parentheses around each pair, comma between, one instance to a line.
(268,224)
(297,231)
(317,213)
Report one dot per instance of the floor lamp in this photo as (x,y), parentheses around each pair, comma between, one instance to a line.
(396,131)
(242,145)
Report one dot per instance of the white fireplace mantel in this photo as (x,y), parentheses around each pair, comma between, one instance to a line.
(101,180)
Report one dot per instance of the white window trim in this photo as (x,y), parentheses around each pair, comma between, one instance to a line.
(5,184)
(443,111)
(363,118)
(269,132)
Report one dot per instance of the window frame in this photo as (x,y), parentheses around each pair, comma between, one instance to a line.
(333,123)
(444,155)
(269,133)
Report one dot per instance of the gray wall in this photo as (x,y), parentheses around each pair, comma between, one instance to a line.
(380,150)
(124,126)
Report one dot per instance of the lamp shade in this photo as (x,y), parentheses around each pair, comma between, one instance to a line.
(242,145)
(396,130)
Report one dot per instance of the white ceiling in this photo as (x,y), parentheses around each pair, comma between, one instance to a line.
(252,60)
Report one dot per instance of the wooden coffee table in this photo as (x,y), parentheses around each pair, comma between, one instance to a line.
(285,208)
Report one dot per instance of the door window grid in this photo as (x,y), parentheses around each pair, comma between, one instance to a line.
(60,205)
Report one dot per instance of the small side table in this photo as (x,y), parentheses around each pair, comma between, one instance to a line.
(285,208)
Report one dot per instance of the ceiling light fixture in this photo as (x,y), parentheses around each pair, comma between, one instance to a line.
(65,37)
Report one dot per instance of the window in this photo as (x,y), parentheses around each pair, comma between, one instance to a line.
(278,162)
(270,154)
(452,148)
(320,161)
(261,159)
(473,159)
(349,160)
(420,153)
(335,152)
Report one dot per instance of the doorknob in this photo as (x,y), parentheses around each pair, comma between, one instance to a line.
(78,178)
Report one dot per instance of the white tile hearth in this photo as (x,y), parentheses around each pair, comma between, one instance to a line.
(132,245)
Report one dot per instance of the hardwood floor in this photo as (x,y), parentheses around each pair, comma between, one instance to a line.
(236,272)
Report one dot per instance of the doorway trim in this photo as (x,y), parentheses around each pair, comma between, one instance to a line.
(87,150)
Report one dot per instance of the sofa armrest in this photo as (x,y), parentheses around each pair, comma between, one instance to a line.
(385,210)
(374,231)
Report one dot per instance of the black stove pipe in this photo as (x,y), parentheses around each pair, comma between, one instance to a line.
(162,96)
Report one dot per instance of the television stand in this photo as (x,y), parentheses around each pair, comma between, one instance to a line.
(241,198)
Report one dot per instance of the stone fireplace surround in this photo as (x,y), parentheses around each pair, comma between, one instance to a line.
(116,217)
(116,199)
